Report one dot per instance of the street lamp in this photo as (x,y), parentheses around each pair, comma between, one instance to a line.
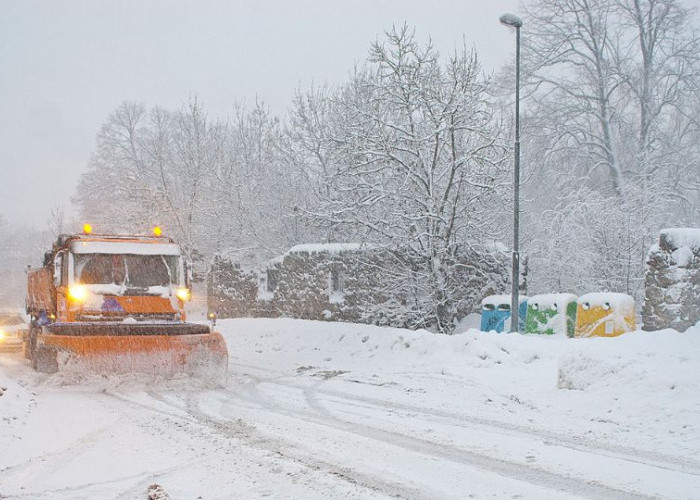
(514,21)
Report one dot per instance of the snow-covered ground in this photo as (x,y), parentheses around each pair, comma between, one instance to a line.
(332,410)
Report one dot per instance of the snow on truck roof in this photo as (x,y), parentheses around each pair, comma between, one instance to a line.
(131,247)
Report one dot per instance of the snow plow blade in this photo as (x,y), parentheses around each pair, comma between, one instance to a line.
(121,348)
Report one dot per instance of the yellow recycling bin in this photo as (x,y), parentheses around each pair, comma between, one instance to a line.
(604,315)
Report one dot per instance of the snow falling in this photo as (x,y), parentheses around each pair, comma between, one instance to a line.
(406,165)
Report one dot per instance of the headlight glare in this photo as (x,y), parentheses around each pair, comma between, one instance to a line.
(183,294)
(77,293)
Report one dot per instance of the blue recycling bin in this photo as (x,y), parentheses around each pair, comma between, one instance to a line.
(495,313)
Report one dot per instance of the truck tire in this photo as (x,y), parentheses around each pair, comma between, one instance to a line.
(30,341)
(45,359)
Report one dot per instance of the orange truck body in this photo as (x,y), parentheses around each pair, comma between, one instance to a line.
(117,304)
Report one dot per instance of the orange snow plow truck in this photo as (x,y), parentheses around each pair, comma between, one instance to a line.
(116,304)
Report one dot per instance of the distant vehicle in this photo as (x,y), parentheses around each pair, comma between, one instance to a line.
(116,303)
(12,330)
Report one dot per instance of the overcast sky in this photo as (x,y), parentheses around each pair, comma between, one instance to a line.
(65,65)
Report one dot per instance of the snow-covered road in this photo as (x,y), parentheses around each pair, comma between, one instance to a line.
(327,410)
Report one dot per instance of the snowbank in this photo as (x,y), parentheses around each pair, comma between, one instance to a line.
(336,410)
(642,387)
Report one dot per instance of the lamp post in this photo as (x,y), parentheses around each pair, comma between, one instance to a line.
(514,21)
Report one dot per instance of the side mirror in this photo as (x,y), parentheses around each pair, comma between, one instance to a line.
(57,269)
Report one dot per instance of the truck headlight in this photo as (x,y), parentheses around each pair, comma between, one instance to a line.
(183,294)
(77,293)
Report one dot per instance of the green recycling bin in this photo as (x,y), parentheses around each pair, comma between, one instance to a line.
(551,314)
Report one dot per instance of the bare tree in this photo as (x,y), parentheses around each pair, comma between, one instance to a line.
(111,192)
(57,221)
(571,55)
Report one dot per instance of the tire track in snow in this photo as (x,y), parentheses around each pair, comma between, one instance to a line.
(84,490)
(519,471)
(659,460)
(291,451)
(547,437)
(50,461)
(189,412)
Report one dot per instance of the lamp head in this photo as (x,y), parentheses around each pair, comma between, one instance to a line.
(511,20)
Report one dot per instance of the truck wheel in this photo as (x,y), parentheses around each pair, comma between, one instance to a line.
(30,341)
(45,359)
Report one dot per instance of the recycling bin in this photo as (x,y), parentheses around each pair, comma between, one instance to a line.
(604,315)
(551,314)
(495,313)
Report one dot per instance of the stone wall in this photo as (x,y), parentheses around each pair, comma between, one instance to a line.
(341,282)
(304,283)
(672,281)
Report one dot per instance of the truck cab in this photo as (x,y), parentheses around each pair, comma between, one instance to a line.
(114,277)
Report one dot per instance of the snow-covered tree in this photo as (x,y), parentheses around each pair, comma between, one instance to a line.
(610,122)
(213,185)
(413,162)
(152,167)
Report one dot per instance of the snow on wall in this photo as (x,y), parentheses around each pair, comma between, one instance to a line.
(672,281)
(324,247)
(678,237)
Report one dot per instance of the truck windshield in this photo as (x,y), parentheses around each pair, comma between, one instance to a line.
(129,270)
